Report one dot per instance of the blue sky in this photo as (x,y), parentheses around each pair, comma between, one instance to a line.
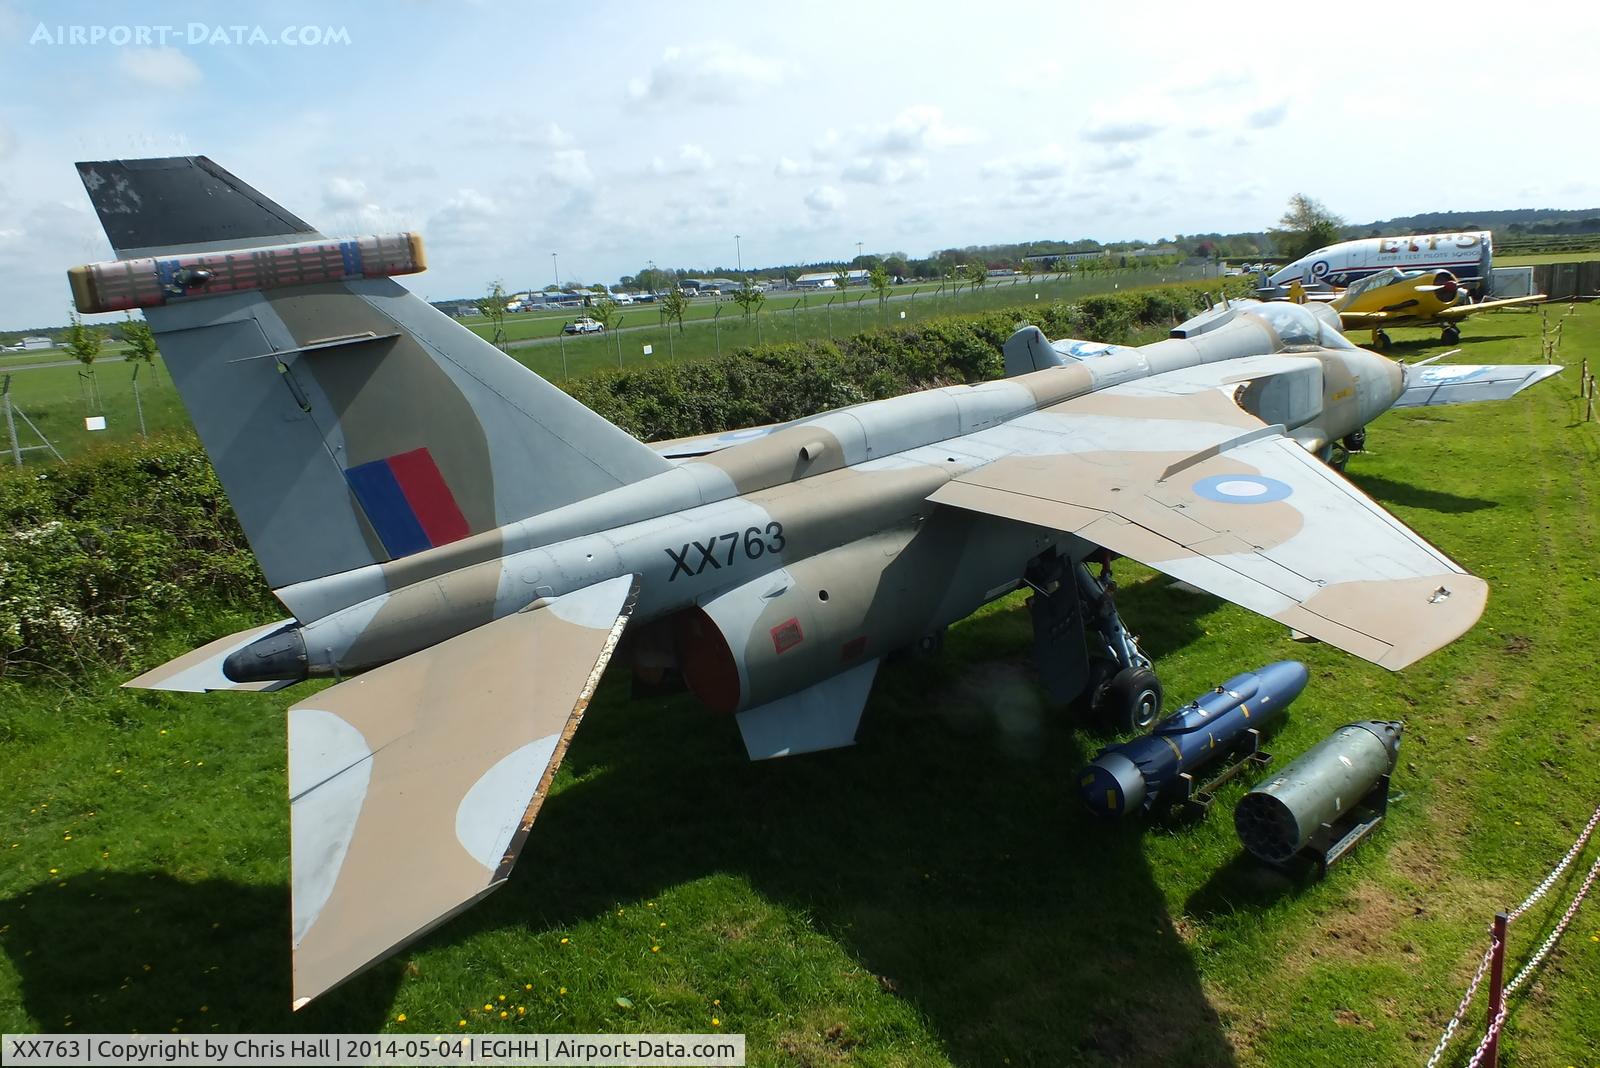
(614,134)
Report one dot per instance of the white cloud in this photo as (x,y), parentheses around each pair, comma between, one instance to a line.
(1120,131)
(546,135)
(1270,115)
(569,167)
(1051,161)
(790,168)
(159,68)
(883,170)
(8,143)
(824,199)
(343,194)
(711,73)
(691,159)
(1118,159)
(918,129)
(828,146)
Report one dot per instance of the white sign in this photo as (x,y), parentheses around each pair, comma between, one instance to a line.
(648,350)
(94,422)
(902,315)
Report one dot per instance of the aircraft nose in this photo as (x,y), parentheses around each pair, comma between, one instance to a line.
(1388,381)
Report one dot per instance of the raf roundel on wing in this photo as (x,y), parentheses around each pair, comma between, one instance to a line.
(1242,489)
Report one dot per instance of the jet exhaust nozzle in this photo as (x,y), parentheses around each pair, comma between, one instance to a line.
(280,655)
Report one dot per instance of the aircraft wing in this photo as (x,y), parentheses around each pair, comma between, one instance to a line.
(1461,311)
(1357,320)
(413,786)
(1170,472)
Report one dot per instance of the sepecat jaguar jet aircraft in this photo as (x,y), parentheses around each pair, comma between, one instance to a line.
(463,545)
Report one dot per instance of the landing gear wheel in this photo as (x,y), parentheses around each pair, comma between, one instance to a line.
(1450,335)
(1132,701)
(1356,442)
(1086,707)
(1380,340)
(930,645)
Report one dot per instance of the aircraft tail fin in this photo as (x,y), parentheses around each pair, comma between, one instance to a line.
(350,422)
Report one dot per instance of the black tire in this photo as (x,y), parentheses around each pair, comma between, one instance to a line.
(1132,701)
(1086,706)
(1450,335)
(930,645)
(1380,341)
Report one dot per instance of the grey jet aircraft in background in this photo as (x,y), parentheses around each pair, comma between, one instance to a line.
(463,545)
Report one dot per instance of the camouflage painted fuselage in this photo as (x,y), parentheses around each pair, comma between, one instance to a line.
(826,524)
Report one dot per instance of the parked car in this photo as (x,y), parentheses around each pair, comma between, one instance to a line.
(584,325)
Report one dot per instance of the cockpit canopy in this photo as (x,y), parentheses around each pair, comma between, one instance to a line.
(1296,325)
(1387,277)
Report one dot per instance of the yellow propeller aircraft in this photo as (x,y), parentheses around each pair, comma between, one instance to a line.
(1395,297)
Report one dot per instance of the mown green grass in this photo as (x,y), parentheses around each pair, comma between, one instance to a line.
(1531,258)
(933,895)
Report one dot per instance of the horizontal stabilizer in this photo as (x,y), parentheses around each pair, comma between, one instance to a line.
(822,716)
(200,670)
(426,774)
(1463,383)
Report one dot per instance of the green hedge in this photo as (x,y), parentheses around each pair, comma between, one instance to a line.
(776,383)
(136,540)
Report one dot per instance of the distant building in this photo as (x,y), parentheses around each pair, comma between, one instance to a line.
(829,279)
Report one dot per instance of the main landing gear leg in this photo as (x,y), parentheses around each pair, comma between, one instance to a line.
(1129,697)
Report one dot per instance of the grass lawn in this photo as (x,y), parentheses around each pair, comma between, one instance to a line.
(1531,258)
(934,895)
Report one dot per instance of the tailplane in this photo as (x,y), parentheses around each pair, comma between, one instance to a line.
(350,422)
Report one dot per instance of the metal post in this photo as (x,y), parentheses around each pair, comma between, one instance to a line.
(137,405)
(11,423)
(1497,974)
(620,318)
(562,339)
(716,328)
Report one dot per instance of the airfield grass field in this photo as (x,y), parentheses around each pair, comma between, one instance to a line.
(934,895)
(1532,258)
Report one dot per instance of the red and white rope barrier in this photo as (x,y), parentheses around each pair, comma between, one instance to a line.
(1487,1047)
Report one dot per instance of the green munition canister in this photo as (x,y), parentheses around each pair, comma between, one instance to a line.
(1276,819)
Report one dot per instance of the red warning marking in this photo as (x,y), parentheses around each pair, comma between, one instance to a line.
(429,496)
(787,635)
